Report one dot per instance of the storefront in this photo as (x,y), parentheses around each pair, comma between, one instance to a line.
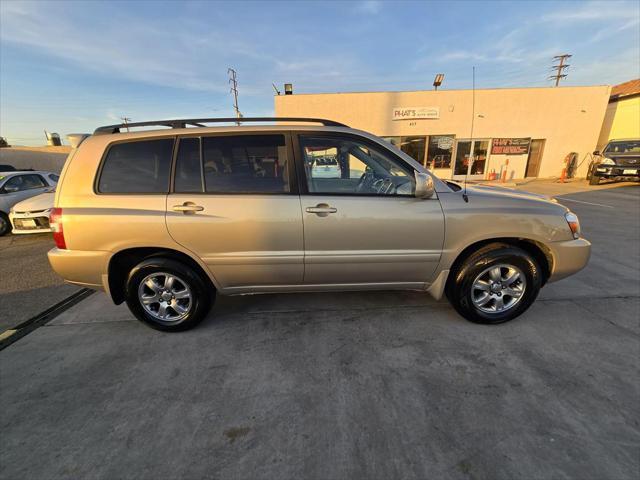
(516,132)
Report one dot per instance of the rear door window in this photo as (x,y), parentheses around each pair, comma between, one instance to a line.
(137,167)
(245,164)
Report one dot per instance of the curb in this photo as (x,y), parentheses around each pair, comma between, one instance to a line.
(16,333)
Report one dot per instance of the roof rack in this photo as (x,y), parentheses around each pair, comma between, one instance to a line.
(198,122)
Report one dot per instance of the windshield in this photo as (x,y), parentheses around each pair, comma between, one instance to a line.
(627,146)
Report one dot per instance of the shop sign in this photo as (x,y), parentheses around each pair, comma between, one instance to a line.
(415,113)
(510,146)
(445,143)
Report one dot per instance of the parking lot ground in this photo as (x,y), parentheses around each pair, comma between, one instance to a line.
(27,284)
(344,385)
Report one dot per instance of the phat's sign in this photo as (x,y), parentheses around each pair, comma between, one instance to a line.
(415,113)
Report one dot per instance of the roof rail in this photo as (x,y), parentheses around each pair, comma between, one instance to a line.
(198,122)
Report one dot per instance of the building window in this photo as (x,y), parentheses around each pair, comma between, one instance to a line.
(440,151)
(414,146)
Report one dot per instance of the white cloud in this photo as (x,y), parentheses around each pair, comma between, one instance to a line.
(593,11)
(371,7)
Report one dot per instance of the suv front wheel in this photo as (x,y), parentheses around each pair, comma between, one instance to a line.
(167,295)
(495,284)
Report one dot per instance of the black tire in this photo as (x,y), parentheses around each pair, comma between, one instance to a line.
(5,224)
(202,294)
(590,171)
(459,288)
(594,180)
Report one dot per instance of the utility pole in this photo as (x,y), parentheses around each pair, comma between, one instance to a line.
(559,68)
(234,89)
(126,121)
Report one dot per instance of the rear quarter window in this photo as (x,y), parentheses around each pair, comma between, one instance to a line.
(137,167)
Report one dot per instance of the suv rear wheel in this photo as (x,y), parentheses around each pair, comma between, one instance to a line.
(495,284)
(167,295)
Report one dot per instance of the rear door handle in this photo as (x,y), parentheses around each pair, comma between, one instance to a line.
(322,210)
(188,207)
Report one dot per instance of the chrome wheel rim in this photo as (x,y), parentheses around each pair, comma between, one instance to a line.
(164,296)
(498,288)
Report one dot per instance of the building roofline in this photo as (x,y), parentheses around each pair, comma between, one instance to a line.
(443,90)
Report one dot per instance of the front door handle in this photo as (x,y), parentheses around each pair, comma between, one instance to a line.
(187,207)
(322,210)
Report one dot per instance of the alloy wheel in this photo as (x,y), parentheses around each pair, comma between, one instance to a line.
(498,288)
(165,296)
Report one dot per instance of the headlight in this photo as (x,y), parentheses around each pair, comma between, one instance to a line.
(574,223)
(607,161)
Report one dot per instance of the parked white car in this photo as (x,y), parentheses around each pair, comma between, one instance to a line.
(18,186)
(32,215)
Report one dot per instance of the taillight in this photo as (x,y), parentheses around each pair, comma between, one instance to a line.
(574,223)
(55,222)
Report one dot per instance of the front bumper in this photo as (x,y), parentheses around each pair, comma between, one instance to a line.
(29,223)
(569,257)
(85,268)
(616,171)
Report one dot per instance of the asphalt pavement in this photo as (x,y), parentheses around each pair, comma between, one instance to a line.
(344,385)
(28,285)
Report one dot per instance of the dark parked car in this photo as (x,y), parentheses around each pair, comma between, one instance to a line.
(620,158)
(7,168)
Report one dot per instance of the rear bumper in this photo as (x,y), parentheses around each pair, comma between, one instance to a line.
(569,257)
(85,268)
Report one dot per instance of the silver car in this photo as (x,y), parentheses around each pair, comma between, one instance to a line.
(18,186)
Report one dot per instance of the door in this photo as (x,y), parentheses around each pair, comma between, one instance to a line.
(535,158)
(363,225)
(232,204)
(21,187)
(471,159)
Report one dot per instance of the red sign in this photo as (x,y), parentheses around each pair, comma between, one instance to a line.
(510,146)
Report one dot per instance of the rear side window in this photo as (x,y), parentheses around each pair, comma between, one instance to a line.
(137,167)
(245,164)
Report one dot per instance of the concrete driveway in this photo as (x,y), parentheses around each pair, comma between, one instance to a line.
(351,385)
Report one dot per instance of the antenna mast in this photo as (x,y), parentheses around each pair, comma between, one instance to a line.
(234,89)
(471,146)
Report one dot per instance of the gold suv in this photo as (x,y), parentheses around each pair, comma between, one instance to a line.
(165,219)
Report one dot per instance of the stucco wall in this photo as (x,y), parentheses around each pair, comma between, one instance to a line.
(569,118)
(622,120)
(38,158)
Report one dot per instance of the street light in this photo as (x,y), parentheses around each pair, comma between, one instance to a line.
(438,80)
(288,88)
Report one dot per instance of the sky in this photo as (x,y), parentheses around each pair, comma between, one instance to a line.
(73,66)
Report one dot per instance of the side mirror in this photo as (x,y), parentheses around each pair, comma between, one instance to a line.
(10,189)
(596,153)
(424,186)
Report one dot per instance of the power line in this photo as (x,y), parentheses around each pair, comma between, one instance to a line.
(233,80)
(559,68)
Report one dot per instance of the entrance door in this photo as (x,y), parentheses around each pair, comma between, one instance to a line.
(471,159)
(535,158)
(363,225)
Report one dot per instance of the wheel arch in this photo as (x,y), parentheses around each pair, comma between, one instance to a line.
(121,263)
(540,252)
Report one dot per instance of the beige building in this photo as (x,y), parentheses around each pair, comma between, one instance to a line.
(622,119)
(522,132)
